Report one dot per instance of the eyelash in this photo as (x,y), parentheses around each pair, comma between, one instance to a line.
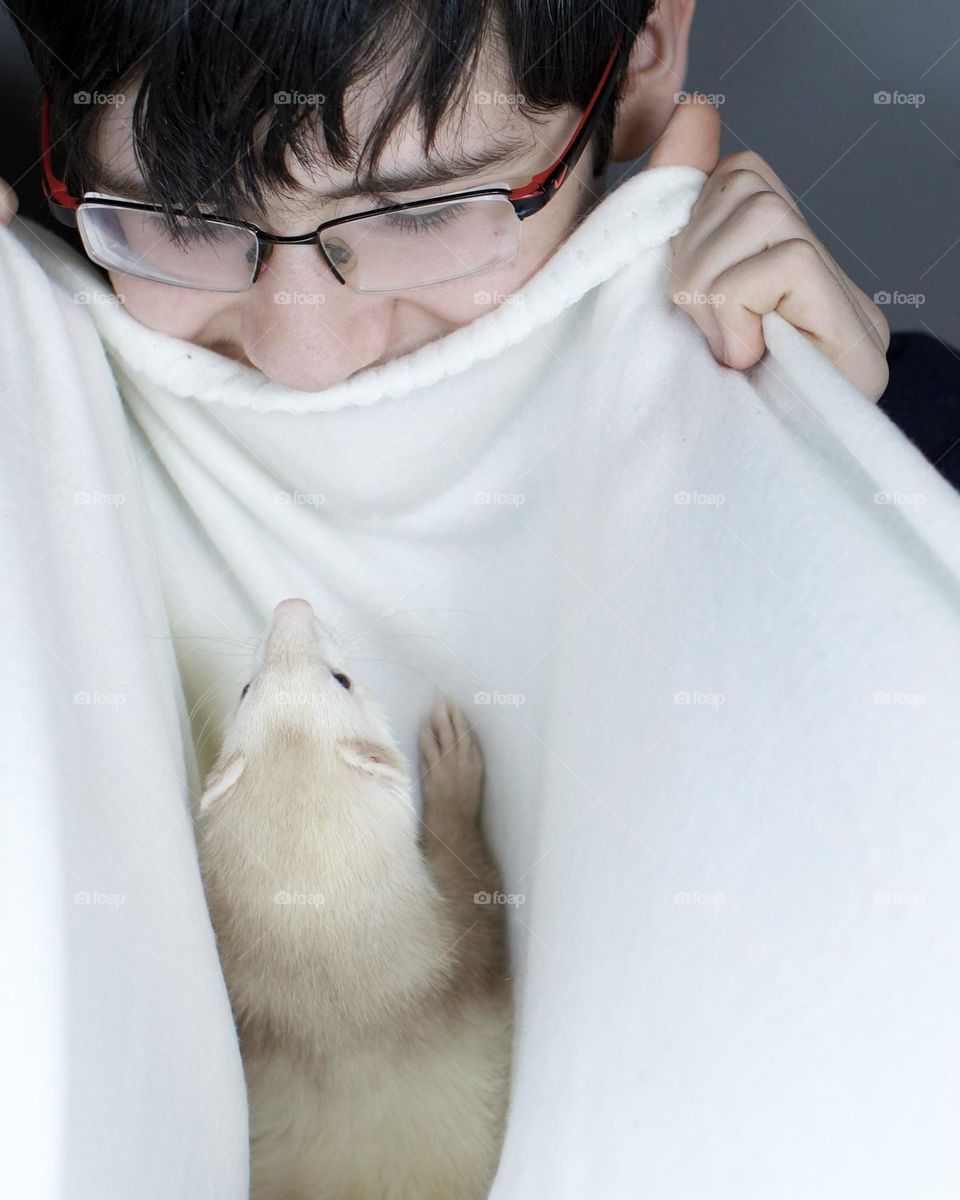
(407,222)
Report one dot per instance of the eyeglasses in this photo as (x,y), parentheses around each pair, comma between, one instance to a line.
(394,248)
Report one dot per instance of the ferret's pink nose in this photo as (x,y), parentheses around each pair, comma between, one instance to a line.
(294,607)
(297,630)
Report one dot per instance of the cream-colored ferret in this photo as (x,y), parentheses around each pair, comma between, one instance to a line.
(368,982)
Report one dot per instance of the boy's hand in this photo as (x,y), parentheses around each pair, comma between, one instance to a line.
(748,251)
(8,203)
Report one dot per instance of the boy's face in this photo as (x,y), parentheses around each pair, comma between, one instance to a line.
(326,332)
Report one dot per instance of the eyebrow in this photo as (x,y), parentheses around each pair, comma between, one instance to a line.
(426,174)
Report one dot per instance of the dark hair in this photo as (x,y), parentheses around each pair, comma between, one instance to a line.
(210,73)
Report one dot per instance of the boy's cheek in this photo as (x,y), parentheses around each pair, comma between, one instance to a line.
(463,300)
(179,312)
(540,237)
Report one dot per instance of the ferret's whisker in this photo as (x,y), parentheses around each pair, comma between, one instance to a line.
(244,647)
(207,691)
(395,663)
(200,743)
(392,616)
(387,637)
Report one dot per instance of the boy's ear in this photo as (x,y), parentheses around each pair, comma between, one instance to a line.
(379,762)
(655,74)
(222,779)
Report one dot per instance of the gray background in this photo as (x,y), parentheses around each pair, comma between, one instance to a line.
(879,183)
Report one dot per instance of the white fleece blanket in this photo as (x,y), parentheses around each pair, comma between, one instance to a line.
(707,625)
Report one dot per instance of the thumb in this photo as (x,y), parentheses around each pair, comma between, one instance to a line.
(691,138)
(8,203)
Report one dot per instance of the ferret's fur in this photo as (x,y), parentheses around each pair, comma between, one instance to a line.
(369,988)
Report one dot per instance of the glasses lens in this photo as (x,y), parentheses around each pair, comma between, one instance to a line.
(416,247)
(211,255)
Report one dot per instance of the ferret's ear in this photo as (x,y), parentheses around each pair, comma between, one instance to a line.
(376,760)
(221,779)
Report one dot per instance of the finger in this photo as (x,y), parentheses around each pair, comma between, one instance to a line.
(691,138)
(760,222)
(792,279)
(8,203)
(744,223)
(718,240)
(736,179)
(700,307)
(747,160)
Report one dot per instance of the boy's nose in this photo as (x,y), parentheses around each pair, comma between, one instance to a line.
(304,329)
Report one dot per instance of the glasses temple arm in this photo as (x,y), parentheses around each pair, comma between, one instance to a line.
(552,177)
(56,191)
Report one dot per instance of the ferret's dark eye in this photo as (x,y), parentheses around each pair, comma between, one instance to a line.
(246,688)
(342,680)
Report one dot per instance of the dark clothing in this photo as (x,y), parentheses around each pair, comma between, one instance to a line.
(923,398)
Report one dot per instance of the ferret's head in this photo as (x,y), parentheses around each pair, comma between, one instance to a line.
(304,722)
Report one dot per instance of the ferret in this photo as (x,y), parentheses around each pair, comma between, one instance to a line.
(366,966)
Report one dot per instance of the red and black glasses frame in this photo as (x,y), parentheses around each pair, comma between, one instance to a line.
(526,200)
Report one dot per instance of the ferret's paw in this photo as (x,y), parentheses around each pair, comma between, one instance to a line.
(451,764)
